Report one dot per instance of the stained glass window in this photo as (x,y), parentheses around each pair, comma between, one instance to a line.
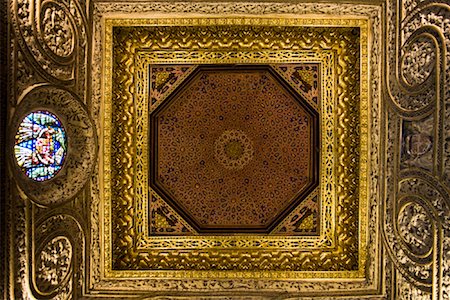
(41,145)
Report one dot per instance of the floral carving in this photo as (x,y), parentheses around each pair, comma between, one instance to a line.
(418,61)
(57,30)
(415,228)
(233,149)
(418,144)
(53,264)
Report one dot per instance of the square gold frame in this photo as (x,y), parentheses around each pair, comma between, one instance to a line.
(115,189)
(145,58)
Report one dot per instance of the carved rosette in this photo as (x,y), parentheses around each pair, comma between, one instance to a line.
(53,264)
(52,35)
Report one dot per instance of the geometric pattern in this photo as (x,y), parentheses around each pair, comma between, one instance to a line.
(234,148)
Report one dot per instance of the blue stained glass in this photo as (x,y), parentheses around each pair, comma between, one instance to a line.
(41,145)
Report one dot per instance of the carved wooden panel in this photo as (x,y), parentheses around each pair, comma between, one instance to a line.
(65,240)
(233,129)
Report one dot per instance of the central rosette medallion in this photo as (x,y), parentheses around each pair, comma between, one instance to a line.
(234,149)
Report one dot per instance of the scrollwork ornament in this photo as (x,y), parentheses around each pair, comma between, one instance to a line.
(57,265)
(422,221)
(418,144)
(415,240)
(436,200)
(407,245)
(411,81)
(53,37)
(415,228)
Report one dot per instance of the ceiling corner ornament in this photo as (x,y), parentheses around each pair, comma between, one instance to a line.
(330,123)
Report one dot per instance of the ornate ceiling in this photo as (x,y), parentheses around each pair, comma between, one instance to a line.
(232,150)
(180,200)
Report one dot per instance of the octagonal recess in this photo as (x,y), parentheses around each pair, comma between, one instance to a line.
(234,149)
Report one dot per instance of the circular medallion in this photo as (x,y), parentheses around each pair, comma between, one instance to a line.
(53,264)
(44,149)
(233,149)
(58,32)
(40,145)
(415,228)
(418,61)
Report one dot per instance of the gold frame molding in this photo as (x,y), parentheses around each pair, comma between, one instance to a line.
(155,247)
(143,60)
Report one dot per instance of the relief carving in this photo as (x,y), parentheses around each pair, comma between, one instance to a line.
(415,230)
(53,264)
(244,285)
(418,61)
(81,143)
(417,144)
(52,35)
(57,30)
(51,66)
(57,264)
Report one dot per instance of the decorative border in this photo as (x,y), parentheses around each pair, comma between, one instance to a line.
(145,58)
(362,24)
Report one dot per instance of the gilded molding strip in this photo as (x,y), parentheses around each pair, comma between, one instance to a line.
(145,58)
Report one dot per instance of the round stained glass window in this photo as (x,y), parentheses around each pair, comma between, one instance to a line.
(40,145)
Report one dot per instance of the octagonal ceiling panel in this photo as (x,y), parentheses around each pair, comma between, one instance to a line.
(234,149)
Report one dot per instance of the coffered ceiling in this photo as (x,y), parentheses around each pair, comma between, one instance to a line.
(231,150)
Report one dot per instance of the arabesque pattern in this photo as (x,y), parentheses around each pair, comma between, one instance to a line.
(233,148)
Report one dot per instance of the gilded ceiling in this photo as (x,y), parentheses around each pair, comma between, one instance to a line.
(234,148)
(229,150)
(182,197)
